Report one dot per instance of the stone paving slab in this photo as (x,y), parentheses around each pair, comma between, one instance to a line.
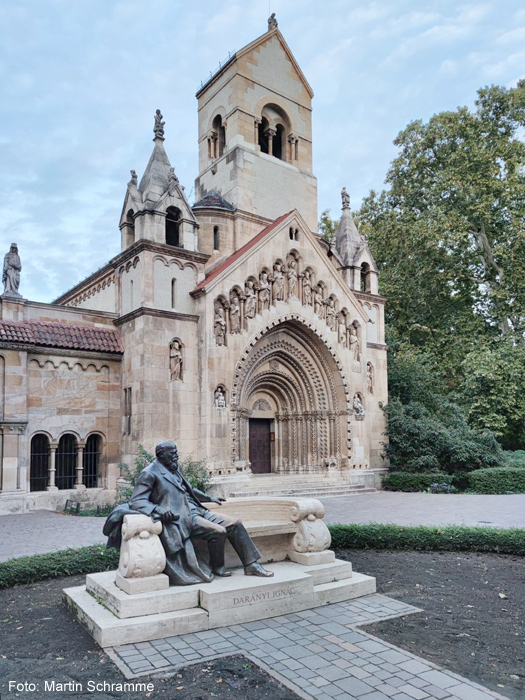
(42,531)
(290,648)
(501,511)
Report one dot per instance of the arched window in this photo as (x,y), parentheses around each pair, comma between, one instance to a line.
(173,216)
(215,238)
(219,137)
(66,462)
(91,461)
(174,293)
(130,228)
(39,465)
(365,277)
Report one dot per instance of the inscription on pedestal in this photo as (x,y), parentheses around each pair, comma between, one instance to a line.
(264,596)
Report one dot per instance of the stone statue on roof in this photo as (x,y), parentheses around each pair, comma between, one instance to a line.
(11,272)
(272,22)
(134,178)
(346,198)
(158,128)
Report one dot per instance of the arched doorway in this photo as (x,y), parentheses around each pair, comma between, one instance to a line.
(291,403)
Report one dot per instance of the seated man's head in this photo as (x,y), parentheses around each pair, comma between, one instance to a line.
(167,454)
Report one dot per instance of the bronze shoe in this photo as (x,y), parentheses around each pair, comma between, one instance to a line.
(255,569)
(221,571)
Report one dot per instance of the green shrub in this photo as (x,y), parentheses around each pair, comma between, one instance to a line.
(410,481)
(452,538)
(515,458)
(67,562)
(502,480)
(195,471)
(421,440)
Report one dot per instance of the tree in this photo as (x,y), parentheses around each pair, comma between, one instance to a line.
(327,226)
(449,234)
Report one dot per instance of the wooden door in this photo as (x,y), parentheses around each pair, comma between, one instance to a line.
(260,451)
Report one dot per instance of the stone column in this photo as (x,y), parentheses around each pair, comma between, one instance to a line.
(270,133)
(52,466)
(79,485)
(256,123)
(291,140)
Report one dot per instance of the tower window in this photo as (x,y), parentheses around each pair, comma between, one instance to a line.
(173,293)
(365,277)
(219,137)
(263,135)
(173,216)
(215,238)
(278,149)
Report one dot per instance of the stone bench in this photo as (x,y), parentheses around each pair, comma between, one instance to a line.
(281,528)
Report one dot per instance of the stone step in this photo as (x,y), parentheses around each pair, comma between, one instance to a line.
(304,492)
(345,589)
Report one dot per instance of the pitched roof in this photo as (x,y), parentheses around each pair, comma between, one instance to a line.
(213,199)
(225,264)
(61,335)
(347,241)
(154,182)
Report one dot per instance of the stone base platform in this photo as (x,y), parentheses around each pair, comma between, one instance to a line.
(114,617)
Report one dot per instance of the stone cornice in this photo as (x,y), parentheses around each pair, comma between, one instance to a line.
(112,266)
(366,296)
(146,311)
(378,346)
(61,352)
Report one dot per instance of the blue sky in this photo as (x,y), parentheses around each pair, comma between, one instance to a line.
(80,81)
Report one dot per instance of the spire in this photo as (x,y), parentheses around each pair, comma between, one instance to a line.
(347,240)
(156,178)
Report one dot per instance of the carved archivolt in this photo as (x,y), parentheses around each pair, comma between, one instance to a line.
(261,405)
(307,383)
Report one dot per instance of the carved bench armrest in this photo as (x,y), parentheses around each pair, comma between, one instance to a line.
(141,553)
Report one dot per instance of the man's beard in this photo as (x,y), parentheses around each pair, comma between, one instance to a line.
(171,463)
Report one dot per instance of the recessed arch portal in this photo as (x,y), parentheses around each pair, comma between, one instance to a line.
(294,370)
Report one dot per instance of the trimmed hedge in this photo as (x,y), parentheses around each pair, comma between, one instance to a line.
(498,480)
(452,538)
(67,562)
(413,481)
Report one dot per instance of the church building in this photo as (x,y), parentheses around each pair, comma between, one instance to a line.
(229,326)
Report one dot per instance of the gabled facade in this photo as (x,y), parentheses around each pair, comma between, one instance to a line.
(229,326)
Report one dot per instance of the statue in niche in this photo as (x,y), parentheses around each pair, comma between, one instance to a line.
(359,409)
(272,22)
(220,398)
(250,305)
(370,377)
(354,343)
(219,325)
(278,283)
(235,315)
(341,329)
(175,361)
(319,302)
(292,278)
(264,291)
(134,178)
(158,127)
(345,198)
(330,314)
(11,273)
(307,288)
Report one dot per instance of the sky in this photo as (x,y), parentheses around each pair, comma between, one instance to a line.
(80,81)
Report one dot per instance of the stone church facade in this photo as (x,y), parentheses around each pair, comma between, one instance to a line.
(228,326)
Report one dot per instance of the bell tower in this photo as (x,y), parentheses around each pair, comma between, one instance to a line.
(255,132)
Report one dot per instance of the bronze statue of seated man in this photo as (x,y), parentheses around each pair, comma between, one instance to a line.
(164,494)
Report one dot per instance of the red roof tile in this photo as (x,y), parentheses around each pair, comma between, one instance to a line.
(239,253)
(61,335)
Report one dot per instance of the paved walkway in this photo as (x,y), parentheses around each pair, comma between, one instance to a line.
(427,509)
(317,653)
(43,531)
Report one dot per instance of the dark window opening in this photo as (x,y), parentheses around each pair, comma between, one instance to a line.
(127,411)
(263,136)
(91,461)
(278,150)
(39,465)
(220,133)
(291,234)
(66,462)
(173,293)
(215,238)
(365,277)
(173,216)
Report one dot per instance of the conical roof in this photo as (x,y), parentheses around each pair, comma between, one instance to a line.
(347,240)
(155,180)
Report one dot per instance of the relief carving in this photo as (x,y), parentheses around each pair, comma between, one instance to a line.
(278,283)
(264,291)
(175,361)
(235,314)
(292,278)
(250,305)
(307,288)
(219,325)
